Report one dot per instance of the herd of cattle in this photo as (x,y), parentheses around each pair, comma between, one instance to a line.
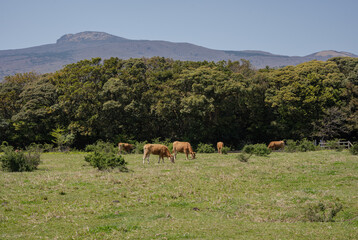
(183,147)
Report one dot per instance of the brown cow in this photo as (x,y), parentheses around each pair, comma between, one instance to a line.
(183,147)
(125,146)
(157,149)
(276,145)
(220,146)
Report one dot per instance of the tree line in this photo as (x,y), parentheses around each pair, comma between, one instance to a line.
(147,98)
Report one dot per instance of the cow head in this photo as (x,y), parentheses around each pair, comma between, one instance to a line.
(171,158)
(193,155)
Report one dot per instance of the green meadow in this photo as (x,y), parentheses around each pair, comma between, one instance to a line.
(212,197)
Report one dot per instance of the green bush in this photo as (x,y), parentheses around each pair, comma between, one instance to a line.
(17,161)
(205,148)
(291,146)
(225,150)
(306,145)
(354,149)
(104,161)
(257,149)
(248,148)
(139,147)
(101,146)
(299,146)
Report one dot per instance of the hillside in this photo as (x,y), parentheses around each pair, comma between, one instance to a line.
(74,47)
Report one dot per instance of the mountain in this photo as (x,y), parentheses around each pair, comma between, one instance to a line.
(71,48)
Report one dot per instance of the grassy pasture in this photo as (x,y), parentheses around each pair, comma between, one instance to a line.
(212,197)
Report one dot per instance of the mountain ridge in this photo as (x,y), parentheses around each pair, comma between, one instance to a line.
(71,48)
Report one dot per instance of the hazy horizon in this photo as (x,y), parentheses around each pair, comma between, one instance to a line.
(292,28)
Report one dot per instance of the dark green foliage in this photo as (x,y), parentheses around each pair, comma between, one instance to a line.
(323,212)
(158,98)
(104,161)
(18,161)
(257,149)
(205,148)
(354,149)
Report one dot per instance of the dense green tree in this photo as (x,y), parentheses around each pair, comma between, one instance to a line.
(299,95)
(149,98)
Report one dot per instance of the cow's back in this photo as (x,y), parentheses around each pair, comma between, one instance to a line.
(180,146)
(275,145)
(156,149)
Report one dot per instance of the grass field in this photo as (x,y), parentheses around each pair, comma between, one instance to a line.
(212,197)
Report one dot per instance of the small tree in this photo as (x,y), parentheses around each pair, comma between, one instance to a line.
(63,140)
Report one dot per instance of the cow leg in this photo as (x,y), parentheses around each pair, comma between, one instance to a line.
(186,153)
(144,156)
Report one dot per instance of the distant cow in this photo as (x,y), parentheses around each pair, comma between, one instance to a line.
(276,145)
(126,147)
(183,147)
(157,149)
(220,146)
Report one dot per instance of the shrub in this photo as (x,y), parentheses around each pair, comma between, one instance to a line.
(306,145)
(299,146)
(225,150)
(257,149)
(139,147)
(354,149)
(205,148)
(249,148)
(101,146)
(322,212)
(17,161)
(104,161)
(291,146)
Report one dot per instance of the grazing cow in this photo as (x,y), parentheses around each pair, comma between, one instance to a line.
(125,146)
(157,149)
(183,147)
(276,145)
(220,146)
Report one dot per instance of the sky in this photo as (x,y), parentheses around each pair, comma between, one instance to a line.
(286,27)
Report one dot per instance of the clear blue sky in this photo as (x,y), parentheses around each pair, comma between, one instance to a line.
(287,27)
